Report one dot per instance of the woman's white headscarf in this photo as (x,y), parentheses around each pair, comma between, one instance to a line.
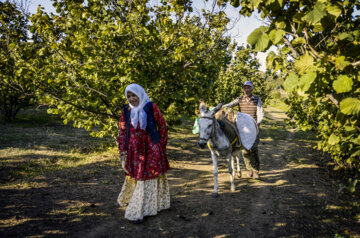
(138,115)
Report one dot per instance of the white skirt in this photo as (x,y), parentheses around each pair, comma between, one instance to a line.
(144,198)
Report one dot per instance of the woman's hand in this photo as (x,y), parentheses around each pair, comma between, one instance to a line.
(123,156)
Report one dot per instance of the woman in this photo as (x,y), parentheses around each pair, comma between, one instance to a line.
(142,144)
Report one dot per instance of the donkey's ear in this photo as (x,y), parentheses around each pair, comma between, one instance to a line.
(218,107)
(202,108)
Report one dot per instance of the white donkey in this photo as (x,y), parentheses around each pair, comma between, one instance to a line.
(218,142)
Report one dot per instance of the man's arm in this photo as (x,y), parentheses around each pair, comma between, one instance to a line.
(232,104)
(259,112)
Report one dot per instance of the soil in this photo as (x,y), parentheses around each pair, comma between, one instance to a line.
(296,196)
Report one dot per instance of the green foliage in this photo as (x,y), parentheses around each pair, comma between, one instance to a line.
(244,67)
(343,84)
(318,56)
(350,106)
(17,89)
(91,50)
(260,39)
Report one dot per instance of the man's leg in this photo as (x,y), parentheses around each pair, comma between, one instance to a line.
(251,159)
(247,159)
(255,162)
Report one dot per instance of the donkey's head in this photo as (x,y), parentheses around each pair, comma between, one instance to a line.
(207,123)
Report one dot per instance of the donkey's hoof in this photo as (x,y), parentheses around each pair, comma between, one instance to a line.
(215,195)
(232,188)
(238,174)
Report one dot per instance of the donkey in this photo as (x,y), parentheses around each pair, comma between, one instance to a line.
(218,142)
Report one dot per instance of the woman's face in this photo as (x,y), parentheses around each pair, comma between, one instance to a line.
(133,99)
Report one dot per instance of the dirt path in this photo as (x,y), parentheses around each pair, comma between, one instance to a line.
(295,196)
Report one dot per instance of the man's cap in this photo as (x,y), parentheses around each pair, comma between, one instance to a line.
(248,83)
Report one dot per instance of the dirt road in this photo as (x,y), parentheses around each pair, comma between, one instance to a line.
(295,197)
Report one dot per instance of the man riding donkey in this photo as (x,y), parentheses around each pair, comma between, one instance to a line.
(251,105)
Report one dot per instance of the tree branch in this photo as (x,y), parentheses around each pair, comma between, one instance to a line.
(357,63)
(78,106)
(294,53)
(333,100)
(309,45)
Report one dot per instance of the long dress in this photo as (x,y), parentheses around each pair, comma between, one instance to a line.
(145,190)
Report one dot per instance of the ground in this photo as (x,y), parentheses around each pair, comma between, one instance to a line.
(56,181)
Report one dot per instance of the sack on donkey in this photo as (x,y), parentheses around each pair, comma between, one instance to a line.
(247,128)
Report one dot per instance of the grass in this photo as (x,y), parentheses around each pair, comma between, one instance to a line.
(279,104)
(274,129)
(19,163)
(37,143)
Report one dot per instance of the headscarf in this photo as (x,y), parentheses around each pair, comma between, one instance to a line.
(138,115)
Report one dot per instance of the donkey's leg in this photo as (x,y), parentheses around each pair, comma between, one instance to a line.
(236,154)
(214,158)
(230,161)
(238,170)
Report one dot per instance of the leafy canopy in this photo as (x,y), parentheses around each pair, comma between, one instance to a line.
(318,56)
(91,50)
(17,88)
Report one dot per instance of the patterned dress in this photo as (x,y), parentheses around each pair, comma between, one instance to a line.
(145,190)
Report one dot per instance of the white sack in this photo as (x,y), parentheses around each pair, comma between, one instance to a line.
(247,129)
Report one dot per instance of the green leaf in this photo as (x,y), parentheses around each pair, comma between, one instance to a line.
(333,139)
(316,14)
(356,154)
(343,84)
(350,106)
(53,45)
(12,46)
(259,39)
(291,82)
(269,3)
(356,140)
(281,2)
(235,3)
(304,63)
(255,3)
(349,128)
(306,80)
(341,63)
(276,36)
(352,185)
(318,27)
(298,41)
(344,35)
(270,59)
(333,10)
(297,17)
(285,50)
(280,25)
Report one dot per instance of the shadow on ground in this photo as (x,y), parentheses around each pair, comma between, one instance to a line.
(295,196)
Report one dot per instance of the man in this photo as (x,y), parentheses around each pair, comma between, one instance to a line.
(252,106)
